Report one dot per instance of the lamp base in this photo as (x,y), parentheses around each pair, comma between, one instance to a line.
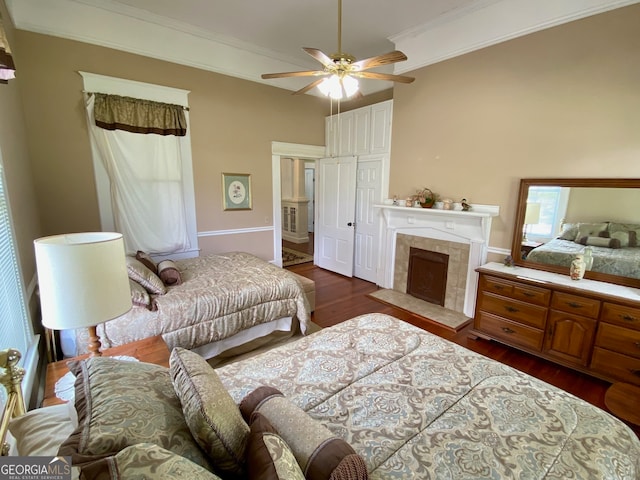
(94,343)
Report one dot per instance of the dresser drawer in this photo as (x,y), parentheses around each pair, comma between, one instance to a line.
(511,332)
(620,315)
(511,309)
(539,296)
(566,302)
(616,365)
(527,293)
(619,339)
(496,285)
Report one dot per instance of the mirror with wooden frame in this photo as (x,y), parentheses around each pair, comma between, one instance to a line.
(558,218)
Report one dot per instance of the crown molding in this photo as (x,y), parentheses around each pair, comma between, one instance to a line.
(483,25)
(459,32)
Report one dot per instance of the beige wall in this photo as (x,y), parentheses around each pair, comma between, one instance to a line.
(564,102)
(233,123)
(603,205)
(17,171)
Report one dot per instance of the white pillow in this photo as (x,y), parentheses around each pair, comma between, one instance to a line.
(40,432)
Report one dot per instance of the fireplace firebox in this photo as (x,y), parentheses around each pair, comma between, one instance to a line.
(427,275)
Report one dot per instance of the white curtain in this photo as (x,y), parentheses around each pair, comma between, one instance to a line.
(145,171)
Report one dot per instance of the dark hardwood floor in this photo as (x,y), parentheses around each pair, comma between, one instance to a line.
(339,298)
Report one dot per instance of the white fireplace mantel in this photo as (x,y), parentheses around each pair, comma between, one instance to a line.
(471,227)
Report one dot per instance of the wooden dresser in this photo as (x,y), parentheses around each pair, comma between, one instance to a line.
(591,326)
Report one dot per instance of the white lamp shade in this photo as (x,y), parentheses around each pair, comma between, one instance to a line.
(532,214)
(83,279)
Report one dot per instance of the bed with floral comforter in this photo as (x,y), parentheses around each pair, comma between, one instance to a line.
(416,406)
(221,296)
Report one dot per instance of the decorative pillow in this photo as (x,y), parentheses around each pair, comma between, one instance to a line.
(169,273)
(268,455)
(600,242)
(139,296)
(146,460)
(40,432)
(591,230)
(320,454)
(147,261)
(121,403)
(569,231)
(210,412)
(626,239)
(624,227)
(145,277)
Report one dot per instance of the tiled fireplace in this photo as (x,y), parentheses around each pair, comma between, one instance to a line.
(462,236)
(456,277)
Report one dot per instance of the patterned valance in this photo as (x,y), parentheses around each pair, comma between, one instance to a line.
(7,68)
(113,112)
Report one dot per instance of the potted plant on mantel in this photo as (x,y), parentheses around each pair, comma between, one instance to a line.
(425,197)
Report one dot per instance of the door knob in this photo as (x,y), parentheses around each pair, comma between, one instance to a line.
(351,224)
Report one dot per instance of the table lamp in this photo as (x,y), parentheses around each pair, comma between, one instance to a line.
(531,217)
(83,281)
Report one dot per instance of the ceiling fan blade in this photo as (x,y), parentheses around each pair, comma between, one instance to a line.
(318,55)
(308,87)
(383,76)
(308,73)
(379,60)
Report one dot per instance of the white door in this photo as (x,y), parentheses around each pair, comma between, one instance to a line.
(334,241)
(367,232)
(309,180)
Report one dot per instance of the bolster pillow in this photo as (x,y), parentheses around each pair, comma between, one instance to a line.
(319,453)
(169,273)
(600,242)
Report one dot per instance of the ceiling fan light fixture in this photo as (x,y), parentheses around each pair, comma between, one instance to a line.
(350,85)
(341,70)
(337,88)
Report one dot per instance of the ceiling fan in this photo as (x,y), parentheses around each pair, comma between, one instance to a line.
(341,70)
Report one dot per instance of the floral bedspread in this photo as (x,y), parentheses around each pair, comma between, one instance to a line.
(616,261)
(417,406)
(220,295)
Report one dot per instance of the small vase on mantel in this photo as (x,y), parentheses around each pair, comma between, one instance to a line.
(577,269)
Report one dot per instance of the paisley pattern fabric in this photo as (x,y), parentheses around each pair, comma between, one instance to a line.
(268,455)
(211,414)
(146,461)
(283,460)
(220,295)
(616,261)
(416,406)
(122,403)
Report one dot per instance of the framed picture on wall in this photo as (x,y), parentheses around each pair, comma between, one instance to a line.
(236,191)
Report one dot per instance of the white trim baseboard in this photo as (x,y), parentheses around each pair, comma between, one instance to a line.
(235,231)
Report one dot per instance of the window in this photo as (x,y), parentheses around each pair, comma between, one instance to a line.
(15,326)
(553,206)
(157,93)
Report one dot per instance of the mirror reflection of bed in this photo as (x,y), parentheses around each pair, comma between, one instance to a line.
(560,218)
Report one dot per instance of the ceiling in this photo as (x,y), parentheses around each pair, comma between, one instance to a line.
(245,38)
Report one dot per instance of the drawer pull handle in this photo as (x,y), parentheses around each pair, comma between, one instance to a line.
(529,294)
(498,287)
(574,305)
(637,344)
(508,330)
(628,318)
(635,372)
(510,309)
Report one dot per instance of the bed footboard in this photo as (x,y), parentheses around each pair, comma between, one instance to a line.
(12,381)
